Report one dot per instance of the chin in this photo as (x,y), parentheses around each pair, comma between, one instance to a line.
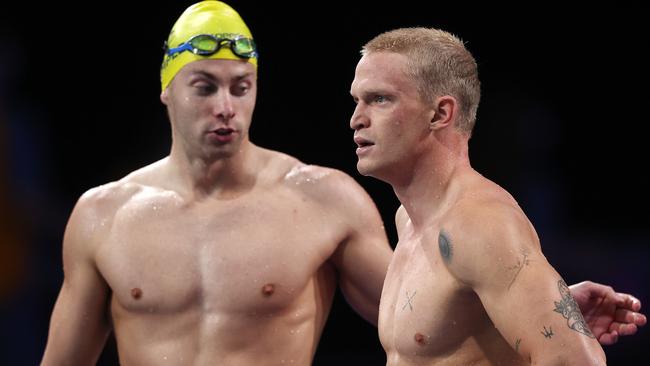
(223,152)
(372,170)
(366,168)
(362,168)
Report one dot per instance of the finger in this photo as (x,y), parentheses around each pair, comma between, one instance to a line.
(626,316)
(607,339)
(622,329)
(628,301)
(627,329)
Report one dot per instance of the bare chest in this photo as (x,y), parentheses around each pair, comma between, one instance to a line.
(424,311)
(251,255)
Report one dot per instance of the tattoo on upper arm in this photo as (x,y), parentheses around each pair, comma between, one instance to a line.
(445,247)
(408,300)
(548,333)
(519,266)
(570,311)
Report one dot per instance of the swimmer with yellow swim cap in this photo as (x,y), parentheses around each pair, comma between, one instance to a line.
(223,252)
(206,30)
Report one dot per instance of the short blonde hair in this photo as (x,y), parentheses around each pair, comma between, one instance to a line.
(439,63)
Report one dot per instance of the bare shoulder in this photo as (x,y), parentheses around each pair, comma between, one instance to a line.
(327,186)
(104,200)
(483,231)
(330,189)
(93,213)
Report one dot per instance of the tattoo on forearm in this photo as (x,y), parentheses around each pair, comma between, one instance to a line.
(408,300)
(517,343)
(548,333)
(570,311)
(518,267)
(445,247)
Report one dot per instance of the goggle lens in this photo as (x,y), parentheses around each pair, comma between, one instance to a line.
(207,44)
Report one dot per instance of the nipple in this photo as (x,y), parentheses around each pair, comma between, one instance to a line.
(419,339)
(268,290)
(136,293)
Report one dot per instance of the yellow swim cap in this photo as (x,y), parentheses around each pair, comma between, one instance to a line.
(206,17)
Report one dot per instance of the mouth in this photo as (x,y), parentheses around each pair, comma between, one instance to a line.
(363,145)
(223,131)
(223,134)
(362,142)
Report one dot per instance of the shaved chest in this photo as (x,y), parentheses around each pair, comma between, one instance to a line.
(424,310)
(254,254)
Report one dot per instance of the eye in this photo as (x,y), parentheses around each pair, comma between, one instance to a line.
(204,88)
(379,99)
(241,89)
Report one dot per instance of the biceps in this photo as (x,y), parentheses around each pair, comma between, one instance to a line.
(80,322)
(538,316)
(362,268)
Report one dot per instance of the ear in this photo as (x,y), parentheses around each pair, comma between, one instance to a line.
(445,109)
(164,96)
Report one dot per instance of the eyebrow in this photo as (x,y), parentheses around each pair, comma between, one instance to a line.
(215,78)
(373,92)
(204,74)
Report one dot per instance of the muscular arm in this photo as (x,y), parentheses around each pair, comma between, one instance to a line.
(362,258)
(80,324)
(498,255)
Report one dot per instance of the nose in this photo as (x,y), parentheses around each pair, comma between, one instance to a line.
(359,118)
(223,107)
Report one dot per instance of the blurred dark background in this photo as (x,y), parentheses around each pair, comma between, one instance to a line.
(561,126)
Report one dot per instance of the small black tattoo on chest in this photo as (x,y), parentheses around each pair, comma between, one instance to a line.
(409,298)
(445,247)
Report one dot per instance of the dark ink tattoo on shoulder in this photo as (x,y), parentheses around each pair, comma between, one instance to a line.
(517,343)
(518,267)
(548,333)
(445,247)
(570,311)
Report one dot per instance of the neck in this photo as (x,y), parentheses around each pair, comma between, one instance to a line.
(205,176)
(424,191)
